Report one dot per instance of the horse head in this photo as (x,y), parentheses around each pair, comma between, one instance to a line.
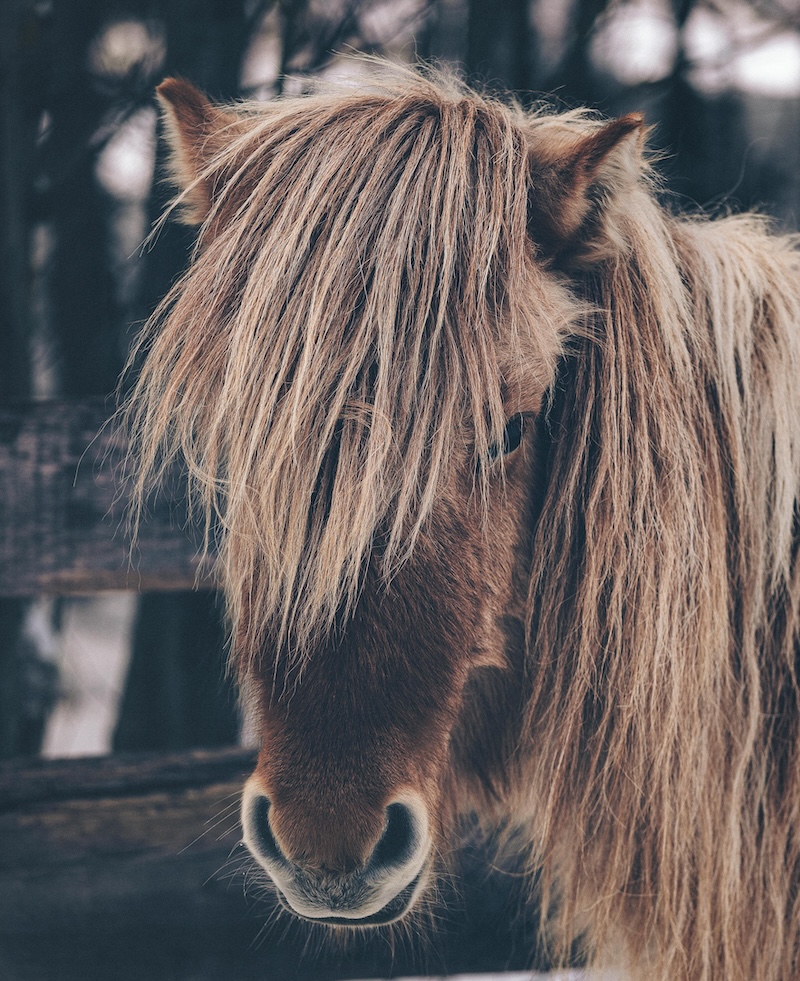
(355,368)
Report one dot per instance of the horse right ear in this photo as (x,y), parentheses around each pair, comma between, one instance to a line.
(194,129)
(578,181)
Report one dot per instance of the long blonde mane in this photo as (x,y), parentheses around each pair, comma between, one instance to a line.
(379,265)
(663,611)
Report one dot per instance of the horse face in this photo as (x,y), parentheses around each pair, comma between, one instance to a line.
(407,716)
(359,326)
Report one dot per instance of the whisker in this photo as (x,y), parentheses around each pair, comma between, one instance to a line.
(226,814)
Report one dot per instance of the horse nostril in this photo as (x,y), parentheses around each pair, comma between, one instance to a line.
(261,831)
(399,839)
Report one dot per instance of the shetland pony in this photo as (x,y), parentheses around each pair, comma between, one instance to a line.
(502,460)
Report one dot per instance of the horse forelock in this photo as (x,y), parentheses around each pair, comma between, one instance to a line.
(362,288)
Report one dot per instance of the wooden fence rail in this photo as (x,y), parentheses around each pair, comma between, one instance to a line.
(62,517)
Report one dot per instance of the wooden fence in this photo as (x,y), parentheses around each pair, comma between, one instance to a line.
(62,525)
(131,867)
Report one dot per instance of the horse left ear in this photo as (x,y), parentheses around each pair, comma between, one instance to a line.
(574,181)
(195,130)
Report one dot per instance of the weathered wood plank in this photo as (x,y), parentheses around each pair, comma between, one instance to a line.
(149,808)
(31,781)
(62,512)
(131,868)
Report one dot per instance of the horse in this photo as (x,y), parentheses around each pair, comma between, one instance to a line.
(500,456)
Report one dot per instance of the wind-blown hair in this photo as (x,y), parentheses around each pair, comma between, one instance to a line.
(378,226)
(368,283)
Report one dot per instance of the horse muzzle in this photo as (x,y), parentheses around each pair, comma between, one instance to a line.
(376,891)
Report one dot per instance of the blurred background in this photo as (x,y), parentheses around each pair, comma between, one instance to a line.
(82,184)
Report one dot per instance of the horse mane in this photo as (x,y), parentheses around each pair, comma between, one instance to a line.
(362,232)
(373,228)
(663,608)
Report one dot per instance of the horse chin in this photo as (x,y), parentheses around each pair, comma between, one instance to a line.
(394,910)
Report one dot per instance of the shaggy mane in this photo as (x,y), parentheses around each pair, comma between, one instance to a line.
(662,724)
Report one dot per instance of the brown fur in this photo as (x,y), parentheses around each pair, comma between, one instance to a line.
(596,635)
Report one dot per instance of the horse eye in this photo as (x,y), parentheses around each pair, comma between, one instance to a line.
(512,437)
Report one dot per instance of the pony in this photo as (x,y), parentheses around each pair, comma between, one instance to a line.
(500,457)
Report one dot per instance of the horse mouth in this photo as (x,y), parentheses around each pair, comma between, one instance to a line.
(393,910)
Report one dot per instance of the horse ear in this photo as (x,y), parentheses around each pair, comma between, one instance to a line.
(574,181)
(193,128)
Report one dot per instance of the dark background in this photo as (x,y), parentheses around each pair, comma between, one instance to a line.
(82,183)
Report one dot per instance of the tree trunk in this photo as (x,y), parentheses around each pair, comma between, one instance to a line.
(500,44)
(21,43)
